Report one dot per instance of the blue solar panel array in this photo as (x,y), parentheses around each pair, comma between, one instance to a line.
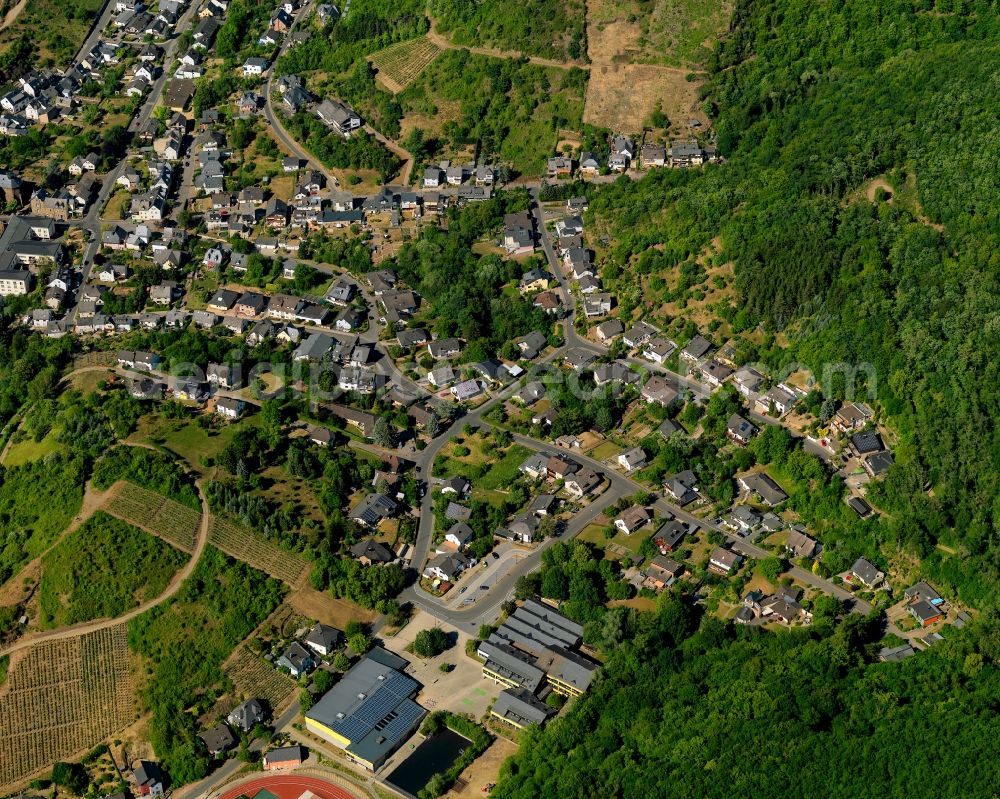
(375,707)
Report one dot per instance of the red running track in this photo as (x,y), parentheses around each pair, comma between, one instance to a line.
(288,786)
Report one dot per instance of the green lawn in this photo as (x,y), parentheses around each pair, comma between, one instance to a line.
(594,534)
(605,450)
(29,450)
(185,438)
(504,471)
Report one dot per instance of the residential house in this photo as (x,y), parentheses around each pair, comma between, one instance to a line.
(534,280)
(696,349)
(447,567)
(670,534)
(652,155)
(218,739)
(662,572)
(371,552)
(682,488)
(779,400)
(800,545)
(590,166)
(739,429)
(324,640)
(297,659)
(685,154)
(866,573)
(230,407)
(459,536)
(531,345)
(632,519)
(658,350)
(373,510)
(338,116)
(608,330)
(658,390)
(444,348)
(583,482)
(632,459)
(715,373)
(723,561)
(748,381)
(852,417)
(150,779)
(639,334)
(559,167)
(615,372)
(250,304)
(763,487)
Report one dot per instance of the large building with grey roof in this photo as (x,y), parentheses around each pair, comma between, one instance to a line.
(533,648)
(371,711)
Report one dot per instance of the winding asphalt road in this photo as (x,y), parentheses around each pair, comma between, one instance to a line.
(486,609)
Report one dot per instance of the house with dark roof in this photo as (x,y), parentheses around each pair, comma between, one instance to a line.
(247,715)
(374,509)
(866,442)
(217,740)
(696,349)
(520,708)
(670,534)
(446,567)
(760,485)
(877,463)
(150,780)
(370,552)
(297,659)
(682,487)
(324,640)
(283,757)
(866,573)
(860,507)
(739,429)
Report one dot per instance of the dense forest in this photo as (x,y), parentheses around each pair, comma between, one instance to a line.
(709,710)
(857,205)
(812,103)
(453,280)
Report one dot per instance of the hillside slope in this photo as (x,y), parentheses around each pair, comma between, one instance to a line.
(811,102)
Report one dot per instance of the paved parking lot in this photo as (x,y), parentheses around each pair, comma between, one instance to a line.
(462,690)
(474,584)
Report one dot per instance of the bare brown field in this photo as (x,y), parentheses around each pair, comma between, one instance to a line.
(246,545)
(63,697)
(622,97)
(676,33)
(328,609)
(484,770)
(175,523)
